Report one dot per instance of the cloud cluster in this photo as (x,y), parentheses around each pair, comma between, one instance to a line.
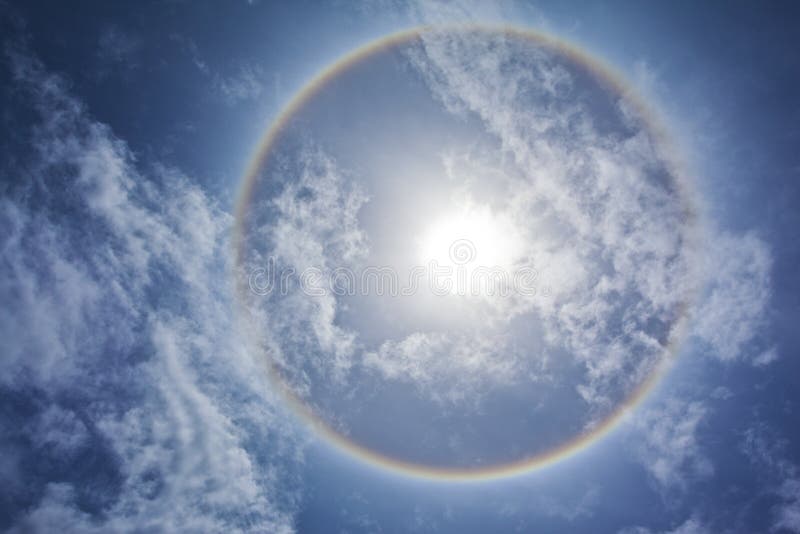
(132,403)
(247,83)
(313,224)
(732,312)
(670,448)
(450,369)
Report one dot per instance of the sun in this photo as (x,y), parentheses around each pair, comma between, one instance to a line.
(469,243)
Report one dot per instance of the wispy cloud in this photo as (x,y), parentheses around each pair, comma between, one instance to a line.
(781,477)
(242,81)
(449,369)
(670,447)
(118,47)
(732,312)
(690,526)
(313,224)
(116,321)
(246,83)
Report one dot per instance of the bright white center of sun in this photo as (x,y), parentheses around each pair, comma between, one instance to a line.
(472,248)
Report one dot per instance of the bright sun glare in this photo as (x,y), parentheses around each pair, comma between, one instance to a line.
(469,238)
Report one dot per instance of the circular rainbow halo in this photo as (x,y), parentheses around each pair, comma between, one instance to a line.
(464,251)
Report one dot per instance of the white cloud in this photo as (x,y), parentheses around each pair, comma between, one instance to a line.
(733,310)
(314,225)
(466,11)
(57,511)
(669,447)
(59,429)
(116,302)
(767,357)
(690,526)
(117,46)
(246,83)
(734,268)
(788,511)
(721,393)
(447,369)
(581,507)
(767,453)
(243,82)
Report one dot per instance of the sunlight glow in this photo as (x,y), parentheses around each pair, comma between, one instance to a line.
(470,238)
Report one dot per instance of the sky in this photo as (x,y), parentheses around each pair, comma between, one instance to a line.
(213,215)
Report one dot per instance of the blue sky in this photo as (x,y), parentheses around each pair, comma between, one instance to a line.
(134,393)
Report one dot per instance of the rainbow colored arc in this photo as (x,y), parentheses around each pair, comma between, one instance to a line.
(603,73)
